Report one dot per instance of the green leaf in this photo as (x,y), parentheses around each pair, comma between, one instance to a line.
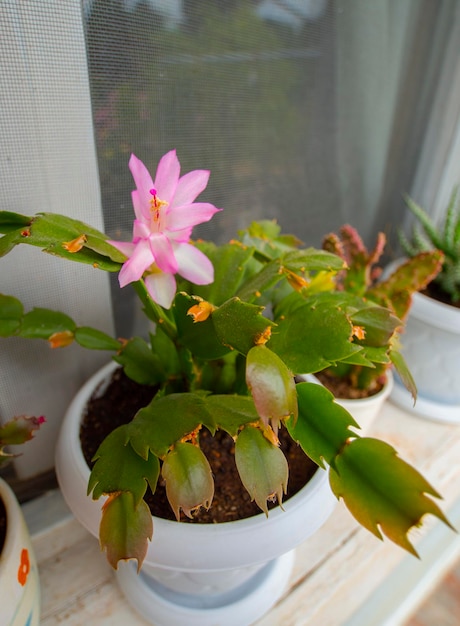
(311,259)
(50,231)
(379,325)
(240,325)
(383,492)
(8,241)
(230,263)
(199,337)
(10,221)
(272,385)
(262,467)
(11,312)
(413,275)
(404,373)
(230,412)
(19,430)
(140,363)
(427,223)
(94,339)
(360,358)
(165,349)
(377,355)
(323,426)
(314,336)
(267,277)
(119,468)
(166,420)
(43,323)
(188,478)
(125,529)
(222,375)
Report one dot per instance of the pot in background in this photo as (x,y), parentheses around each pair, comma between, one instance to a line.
(364,410)
(431,348)
(19,582)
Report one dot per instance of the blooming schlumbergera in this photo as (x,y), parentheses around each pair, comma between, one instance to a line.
(166,213)
(218,363)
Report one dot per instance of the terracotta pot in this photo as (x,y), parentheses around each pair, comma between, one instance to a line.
(19,583)
(431,348)
(199,574)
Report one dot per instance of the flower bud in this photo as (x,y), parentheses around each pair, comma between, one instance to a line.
(188,478)
(272,386)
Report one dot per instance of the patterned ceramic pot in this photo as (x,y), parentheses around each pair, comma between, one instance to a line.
(19,583)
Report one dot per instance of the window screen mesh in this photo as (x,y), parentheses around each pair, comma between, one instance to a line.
(235,87)
(295,106)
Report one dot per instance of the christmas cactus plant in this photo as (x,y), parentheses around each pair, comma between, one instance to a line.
(233,325)
(360,280)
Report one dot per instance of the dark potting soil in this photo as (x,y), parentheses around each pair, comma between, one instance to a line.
(433,291)
(343,388)
(118,405)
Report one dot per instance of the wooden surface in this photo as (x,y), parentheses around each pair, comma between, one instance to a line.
(336,573)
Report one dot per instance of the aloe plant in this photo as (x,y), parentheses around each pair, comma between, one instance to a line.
(223,357)
(362,278)
(426,235)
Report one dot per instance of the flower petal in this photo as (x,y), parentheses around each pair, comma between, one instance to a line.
(163,252)
(142,177)
(141,230)
(190,186)
(180,236)
(140,259)
(125,247)
(167,176)
(190,215)
(141,209)
(161,287)
(193,265)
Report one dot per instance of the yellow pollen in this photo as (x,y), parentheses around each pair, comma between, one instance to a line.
(261,338)
(358,332)
(75,245)
(155,207)
(296,281)
(201,311)
(61,339)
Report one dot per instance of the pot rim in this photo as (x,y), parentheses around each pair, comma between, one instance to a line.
(13,521)
(439,314)
(277,537)
(80,400)
(349,403)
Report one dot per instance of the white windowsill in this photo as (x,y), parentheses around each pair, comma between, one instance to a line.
(342,576)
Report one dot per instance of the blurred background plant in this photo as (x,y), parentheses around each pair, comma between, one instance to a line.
(427,235)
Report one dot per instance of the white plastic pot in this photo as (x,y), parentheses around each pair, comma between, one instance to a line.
(19,583)
(199,574)
(431,348)
(363,410)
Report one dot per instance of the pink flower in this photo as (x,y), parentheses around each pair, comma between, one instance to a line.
(165,216)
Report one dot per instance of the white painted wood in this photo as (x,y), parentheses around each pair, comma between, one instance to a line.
(341,576)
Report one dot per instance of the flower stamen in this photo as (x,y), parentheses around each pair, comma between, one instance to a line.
(155,205)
